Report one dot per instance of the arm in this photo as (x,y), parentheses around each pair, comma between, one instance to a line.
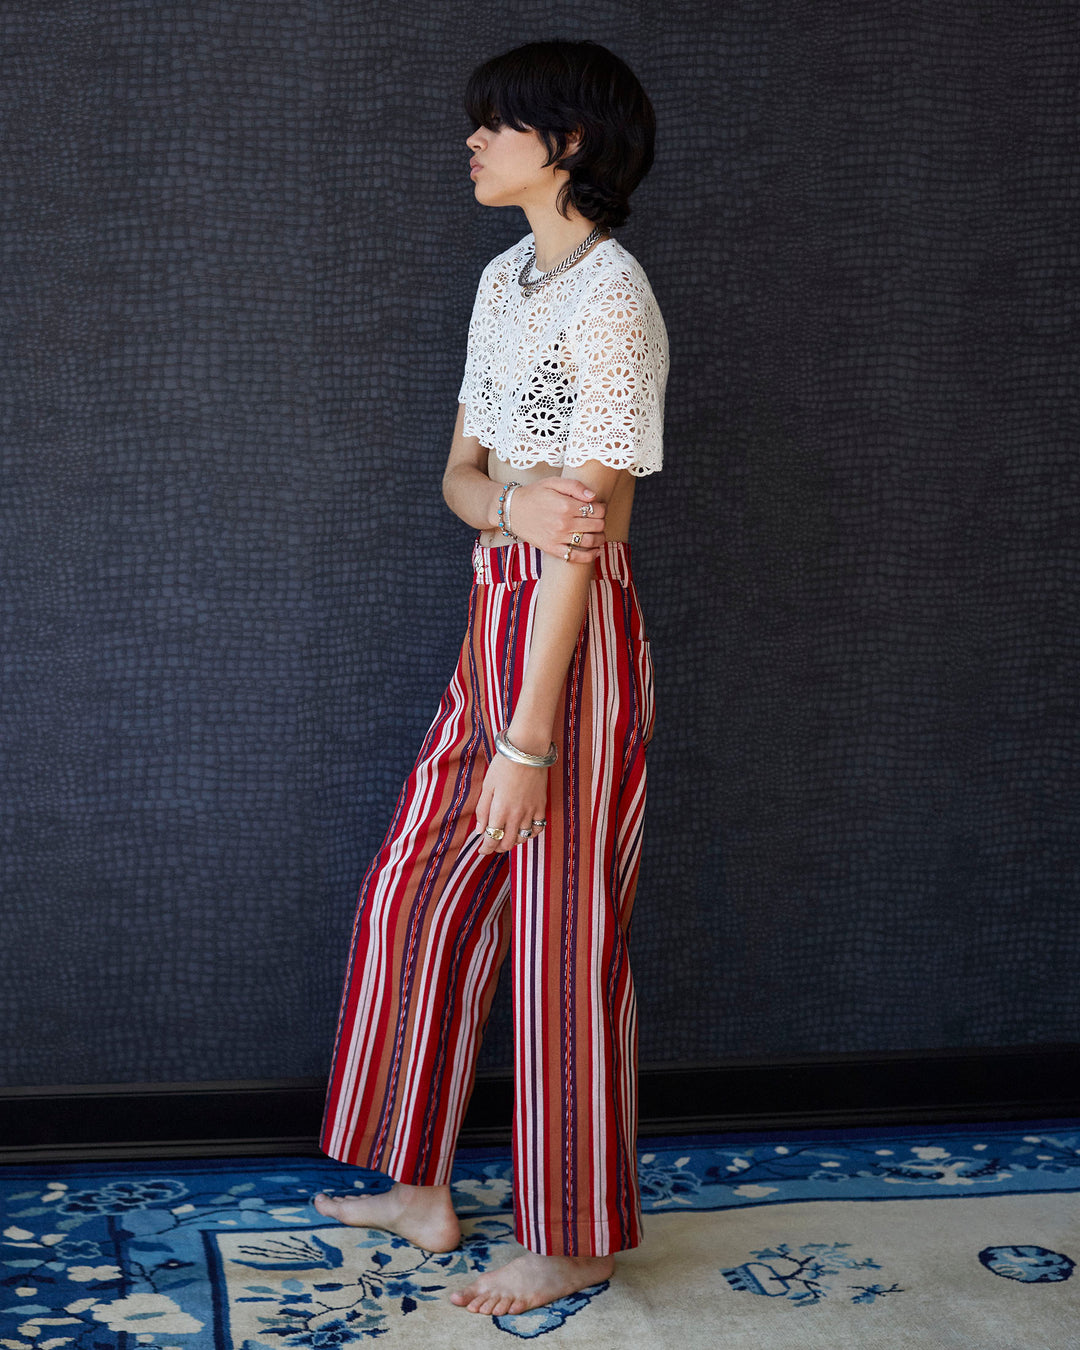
(514,795)
(620,347)
(545,513)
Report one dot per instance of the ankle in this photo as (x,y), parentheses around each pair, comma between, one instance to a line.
(422,1199)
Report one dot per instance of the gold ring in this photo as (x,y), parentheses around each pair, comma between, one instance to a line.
(493,832)
(566,556)
(575,539)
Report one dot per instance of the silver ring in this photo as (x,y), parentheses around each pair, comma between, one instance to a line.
(493,832)
(524,834)
(539,824)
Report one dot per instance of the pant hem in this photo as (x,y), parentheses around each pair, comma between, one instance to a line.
(360,1156)
(588,1245)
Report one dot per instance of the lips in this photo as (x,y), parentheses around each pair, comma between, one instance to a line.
(474,164)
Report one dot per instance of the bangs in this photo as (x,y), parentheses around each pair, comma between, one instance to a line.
(507,91)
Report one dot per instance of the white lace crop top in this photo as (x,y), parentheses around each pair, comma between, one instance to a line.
(574,371)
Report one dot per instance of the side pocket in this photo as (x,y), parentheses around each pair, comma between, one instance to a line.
(646,700)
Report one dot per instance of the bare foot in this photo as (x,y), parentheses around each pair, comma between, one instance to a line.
(423,1215)
(530,1281)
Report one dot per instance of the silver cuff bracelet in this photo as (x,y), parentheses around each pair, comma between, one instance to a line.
(507,748)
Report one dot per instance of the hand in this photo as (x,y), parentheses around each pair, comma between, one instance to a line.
(513,796)
(547,513)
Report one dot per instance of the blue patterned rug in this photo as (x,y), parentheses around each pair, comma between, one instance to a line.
(755,1242)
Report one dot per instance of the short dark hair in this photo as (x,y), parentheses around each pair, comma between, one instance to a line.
(557,88)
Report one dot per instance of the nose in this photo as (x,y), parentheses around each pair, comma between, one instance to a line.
(475,141)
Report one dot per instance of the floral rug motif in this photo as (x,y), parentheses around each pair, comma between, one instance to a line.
(232,1255)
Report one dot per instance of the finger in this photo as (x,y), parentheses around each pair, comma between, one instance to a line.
(586,528)
(573,553)
(503,824)
(571,487)
(518,828)
(575,510)
(583,525)
(494,839)
(579,541)
(514,837)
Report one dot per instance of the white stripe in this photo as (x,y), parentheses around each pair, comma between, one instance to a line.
(480,972)
(429,989)
(605,694)
(360,1060)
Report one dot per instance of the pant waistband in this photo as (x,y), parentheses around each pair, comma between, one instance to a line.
(515,563)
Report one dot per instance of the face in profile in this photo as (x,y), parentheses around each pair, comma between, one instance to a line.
(509,167)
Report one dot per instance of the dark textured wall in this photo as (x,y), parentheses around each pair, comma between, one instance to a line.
(239,251)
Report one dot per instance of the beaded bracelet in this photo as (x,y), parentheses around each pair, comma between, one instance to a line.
(506,509)
(504,505)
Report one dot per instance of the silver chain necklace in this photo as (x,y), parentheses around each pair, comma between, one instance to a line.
(529,284)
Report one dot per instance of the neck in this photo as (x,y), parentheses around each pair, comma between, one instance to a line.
(556,235)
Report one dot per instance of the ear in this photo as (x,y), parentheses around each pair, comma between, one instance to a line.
(573,141)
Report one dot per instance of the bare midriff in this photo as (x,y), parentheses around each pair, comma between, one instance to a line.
(617,520)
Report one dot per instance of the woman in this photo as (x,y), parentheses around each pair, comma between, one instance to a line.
(519,828)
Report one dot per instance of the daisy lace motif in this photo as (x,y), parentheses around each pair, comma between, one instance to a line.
(574,371)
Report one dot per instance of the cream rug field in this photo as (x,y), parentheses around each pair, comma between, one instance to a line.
(931,1239)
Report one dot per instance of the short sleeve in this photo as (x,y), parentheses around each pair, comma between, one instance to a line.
(478,391)
(479,323)
(619,344)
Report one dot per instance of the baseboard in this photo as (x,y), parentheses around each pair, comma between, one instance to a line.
(192,1120)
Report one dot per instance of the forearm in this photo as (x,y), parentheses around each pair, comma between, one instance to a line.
(561,599)
(512,801)
(547,513)
(471,495)
(562,595)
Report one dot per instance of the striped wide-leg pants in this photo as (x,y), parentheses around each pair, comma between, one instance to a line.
(435,919)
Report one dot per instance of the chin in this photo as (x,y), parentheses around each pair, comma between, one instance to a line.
(489,195)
